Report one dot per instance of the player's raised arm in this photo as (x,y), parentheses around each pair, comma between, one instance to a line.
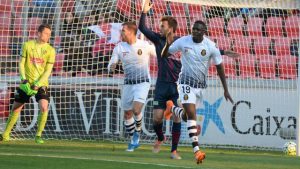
(113,61)
(152,36)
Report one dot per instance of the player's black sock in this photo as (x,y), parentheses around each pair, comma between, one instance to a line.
(178,111)
(192,130)
(129,125)
(175,135)
(138,122)
(159,132)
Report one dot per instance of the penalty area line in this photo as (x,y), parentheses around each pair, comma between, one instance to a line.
(94,159)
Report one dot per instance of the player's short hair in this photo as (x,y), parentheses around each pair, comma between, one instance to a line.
(172,22)
(43,26)
(201,23)
(131,25)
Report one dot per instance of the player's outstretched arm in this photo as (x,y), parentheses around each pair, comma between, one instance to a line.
(220,70)
(231,54)
(152,36)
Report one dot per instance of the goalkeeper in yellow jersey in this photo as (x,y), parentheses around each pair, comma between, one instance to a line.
(35,67)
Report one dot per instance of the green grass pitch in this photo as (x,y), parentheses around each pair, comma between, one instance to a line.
(107,155)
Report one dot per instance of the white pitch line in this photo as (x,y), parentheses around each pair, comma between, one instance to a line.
(95,159)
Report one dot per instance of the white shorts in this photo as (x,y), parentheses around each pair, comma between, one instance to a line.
(134,92)
(188,94)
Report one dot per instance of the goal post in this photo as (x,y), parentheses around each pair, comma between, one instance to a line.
(85,100)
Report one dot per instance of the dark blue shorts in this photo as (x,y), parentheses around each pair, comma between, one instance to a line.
(165,91)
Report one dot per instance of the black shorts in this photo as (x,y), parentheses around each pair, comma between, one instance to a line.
(22,97)
(165,91)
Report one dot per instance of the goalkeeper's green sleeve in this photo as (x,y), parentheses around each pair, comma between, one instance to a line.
(45,75)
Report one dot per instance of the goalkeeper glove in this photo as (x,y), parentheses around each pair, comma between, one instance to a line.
(25,87)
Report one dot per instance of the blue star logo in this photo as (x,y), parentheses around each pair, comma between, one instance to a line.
(210,113)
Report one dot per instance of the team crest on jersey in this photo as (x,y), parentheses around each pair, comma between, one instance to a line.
(139,52)
(203,52)
(124,53)
(185,97)
(44,52)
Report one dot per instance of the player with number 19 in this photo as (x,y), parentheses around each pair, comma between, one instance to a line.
(197,52)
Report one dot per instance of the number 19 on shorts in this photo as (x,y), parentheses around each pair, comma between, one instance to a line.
(186,89)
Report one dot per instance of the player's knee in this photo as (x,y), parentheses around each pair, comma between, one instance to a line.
(191,116)
(157,120)
(176,119)
(127,115)
(136,111)
(44,109)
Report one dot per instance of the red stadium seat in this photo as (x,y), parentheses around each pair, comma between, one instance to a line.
(33,24)
(57,40)
(5,20)
(138,6)
(4,51)
(18,6)
(98,46)
(274,27)
(182,26)
(5,6)
(4,45)
(287,67)
(5,32)
(229,67)
(17,31)
(177,9)
(282,46)
(254,26)
(212,71)
(124,6)
(223,42)
(247,66)
(195,11)
(216,26)
(68,5)
(242,44)
(292,26)
(153,66)
(262,45)
(159,8)
(194,19)
(4,103)
(59,62)
(235,26)
(267,66)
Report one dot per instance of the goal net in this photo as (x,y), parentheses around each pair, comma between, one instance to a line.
(85,100)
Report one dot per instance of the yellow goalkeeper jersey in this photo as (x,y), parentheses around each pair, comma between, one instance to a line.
(37,62)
